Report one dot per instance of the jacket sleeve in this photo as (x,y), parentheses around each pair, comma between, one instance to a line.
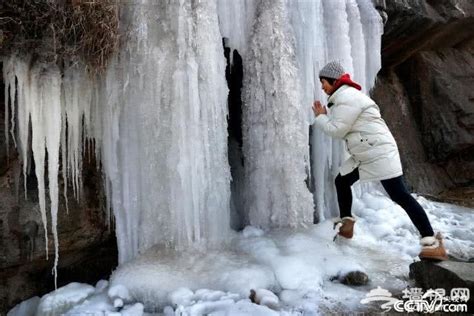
(340,120)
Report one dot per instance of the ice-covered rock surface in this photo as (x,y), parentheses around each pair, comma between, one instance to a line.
(64,298)
(300,267)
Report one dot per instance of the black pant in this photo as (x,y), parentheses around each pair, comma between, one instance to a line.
(396,190)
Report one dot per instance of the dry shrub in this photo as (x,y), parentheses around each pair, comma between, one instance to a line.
(60,30)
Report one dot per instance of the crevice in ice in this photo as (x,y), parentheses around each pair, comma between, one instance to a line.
(234,77)
(310,171)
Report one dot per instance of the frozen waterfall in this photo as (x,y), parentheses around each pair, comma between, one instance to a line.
(158,117)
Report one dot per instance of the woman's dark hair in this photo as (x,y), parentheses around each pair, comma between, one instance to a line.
(330,80)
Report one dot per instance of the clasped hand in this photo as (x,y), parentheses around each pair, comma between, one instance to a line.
(318,108)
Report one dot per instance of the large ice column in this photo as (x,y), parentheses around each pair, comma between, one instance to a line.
(307,22)
(274,124)
(166,157)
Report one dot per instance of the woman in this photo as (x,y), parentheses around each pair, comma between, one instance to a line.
(373,151)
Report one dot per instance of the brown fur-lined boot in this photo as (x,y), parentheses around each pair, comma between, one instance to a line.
(433,248)
(346,227)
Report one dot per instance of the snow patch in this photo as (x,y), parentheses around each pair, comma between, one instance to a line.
(64,298)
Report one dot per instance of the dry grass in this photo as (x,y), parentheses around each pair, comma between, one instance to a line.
(60,30)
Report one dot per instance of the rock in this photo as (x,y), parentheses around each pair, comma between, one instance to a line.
(425,92)
(265,297)
(354,278)
(463,196)
(464,270)
(397,110)
(429,106)
(444,100)
(446,275)
(418,25)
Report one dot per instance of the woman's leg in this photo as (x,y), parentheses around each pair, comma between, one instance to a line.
(399,194)
(344,193)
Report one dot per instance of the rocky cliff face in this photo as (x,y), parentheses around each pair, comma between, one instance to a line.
(88,249)
(425,90)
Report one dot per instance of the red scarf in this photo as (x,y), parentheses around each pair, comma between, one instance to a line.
(345,79)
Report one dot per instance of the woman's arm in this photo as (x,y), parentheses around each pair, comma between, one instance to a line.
(341,120)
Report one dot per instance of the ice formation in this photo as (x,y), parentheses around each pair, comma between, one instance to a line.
(157,118)
(61,300)
(275,145)
(39,104)
(164,147)
(300,266)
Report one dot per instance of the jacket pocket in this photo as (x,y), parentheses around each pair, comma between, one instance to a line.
(371,141)
(378,139)
(353,140)
(357,145)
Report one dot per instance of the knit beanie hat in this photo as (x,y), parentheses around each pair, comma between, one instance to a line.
(332,70)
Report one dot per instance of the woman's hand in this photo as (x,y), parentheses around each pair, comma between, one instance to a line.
(319,109)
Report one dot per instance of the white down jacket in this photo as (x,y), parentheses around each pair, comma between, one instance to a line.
(356,118)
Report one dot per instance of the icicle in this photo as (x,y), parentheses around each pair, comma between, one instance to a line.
(6,76)
(10,95)
(21,71)
(51,108)
(12,106)
(77,90)
(35,105)
(64,158)
(373,29)
(358,50)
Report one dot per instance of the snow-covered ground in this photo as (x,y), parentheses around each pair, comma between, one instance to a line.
(298,266)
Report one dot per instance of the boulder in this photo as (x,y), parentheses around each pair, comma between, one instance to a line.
(424,90)
(416,25)
(355,278)
(439,85)
(352,278)
(421,175)
(446,275)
